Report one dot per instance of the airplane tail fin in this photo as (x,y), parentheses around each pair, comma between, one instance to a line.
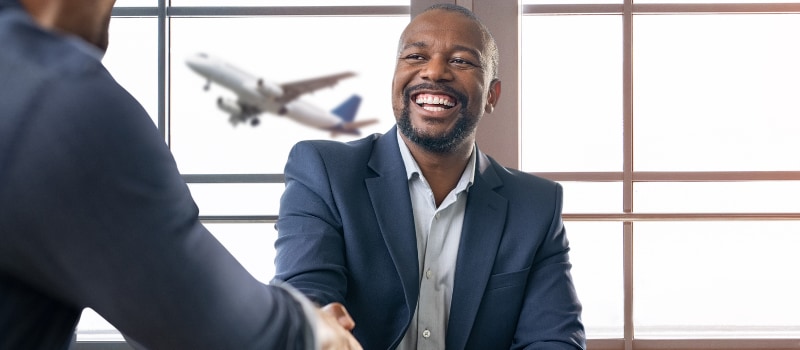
(347,110)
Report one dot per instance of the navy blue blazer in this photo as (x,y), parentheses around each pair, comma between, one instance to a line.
(346,234)
(94,213)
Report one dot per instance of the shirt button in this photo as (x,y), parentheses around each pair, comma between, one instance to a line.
(428,274)
(426,334)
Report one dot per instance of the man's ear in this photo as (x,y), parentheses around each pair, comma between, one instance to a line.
(493,96)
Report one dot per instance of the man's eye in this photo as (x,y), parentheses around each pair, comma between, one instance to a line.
(415,57)
(461,62)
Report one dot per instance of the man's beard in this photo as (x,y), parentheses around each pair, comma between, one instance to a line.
(441,143)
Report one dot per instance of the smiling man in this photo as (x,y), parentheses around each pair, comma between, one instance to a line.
(428,242)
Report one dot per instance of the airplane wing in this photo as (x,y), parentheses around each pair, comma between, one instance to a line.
(293,90)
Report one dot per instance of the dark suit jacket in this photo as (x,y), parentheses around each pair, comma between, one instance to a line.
(93,213)
(346,234)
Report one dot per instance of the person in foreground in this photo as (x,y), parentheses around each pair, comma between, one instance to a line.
(94,213)
(428,242)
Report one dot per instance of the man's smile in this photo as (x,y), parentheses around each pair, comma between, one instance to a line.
(434,102)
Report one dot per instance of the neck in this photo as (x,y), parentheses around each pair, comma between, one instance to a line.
(441,170)
(45,12)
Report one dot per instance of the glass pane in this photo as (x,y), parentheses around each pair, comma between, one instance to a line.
(715,1)
(592,197)
(93,327)
(289,2)
(136,3)
(132,58)
(252,244)
(540,2)
(237,199)
(716,279)
(203,141)
(596,256)
(571,88)
(716,92)
(718,197)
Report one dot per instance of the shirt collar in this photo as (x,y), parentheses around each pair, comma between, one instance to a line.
(9,3)
(84,46)
(411,166)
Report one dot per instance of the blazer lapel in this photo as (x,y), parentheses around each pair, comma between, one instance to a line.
(392,204)
(483,227)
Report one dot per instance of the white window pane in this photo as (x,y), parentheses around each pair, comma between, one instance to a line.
(716,92)
(289,2)
(716,279)
(715,1)
(592,197)
(540,2)
(278,50)
(571,93)
(237,199)
(93,327)
(596,256)
(132,59)
(136,3)
(252,244)
(718,197)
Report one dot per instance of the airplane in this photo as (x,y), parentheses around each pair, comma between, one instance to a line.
(256,96)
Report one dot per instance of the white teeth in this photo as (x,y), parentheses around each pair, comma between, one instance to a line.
(433,109)
(431,100)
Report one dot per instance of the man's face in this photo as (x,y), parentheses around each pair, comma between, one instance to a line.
(442,82)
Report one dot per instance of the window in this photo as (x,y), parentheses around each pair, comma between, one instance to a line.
(278,49)
(673,127)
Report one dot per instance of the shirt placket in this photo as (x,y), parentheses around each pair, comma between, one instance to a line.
(431,303)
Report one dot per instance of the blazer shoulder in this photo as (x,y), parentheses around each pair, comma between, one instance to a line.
(338,150)
(516,177)
(337,157)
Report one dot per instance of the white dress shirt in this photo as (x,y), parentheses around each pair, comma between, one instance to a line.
(438,235)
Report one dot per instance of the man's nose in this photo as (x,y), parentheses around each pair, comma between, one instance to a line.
(437,69)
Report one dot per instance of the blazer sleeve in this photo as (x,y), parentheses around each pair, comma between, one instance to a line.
(99,216)
(550,316)
(310,246)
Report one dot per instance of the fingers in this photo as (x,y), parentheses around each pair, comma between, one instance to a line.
(338,311)
(331,334)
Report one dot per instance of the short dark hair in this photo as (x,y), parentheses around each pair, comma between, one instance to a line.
(491,44)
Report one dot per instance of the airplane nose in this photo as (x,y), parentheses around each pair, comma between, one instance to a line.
(192,63)
(200,63)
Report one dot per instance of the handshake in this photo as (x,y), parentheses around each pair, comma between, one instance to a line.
(333,327)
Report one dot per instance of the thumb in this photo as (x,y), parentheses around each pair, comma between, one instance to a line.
(338,311)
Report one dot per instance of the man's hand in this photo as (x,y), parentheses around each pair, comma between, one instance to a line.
(334,326)
(339,312)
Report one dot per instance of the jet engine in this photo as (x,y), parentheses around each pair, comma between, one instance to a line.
(229,106)
(267,89)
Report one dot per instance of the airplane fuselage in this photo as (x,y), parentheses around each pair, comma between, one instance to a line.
(255,96)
